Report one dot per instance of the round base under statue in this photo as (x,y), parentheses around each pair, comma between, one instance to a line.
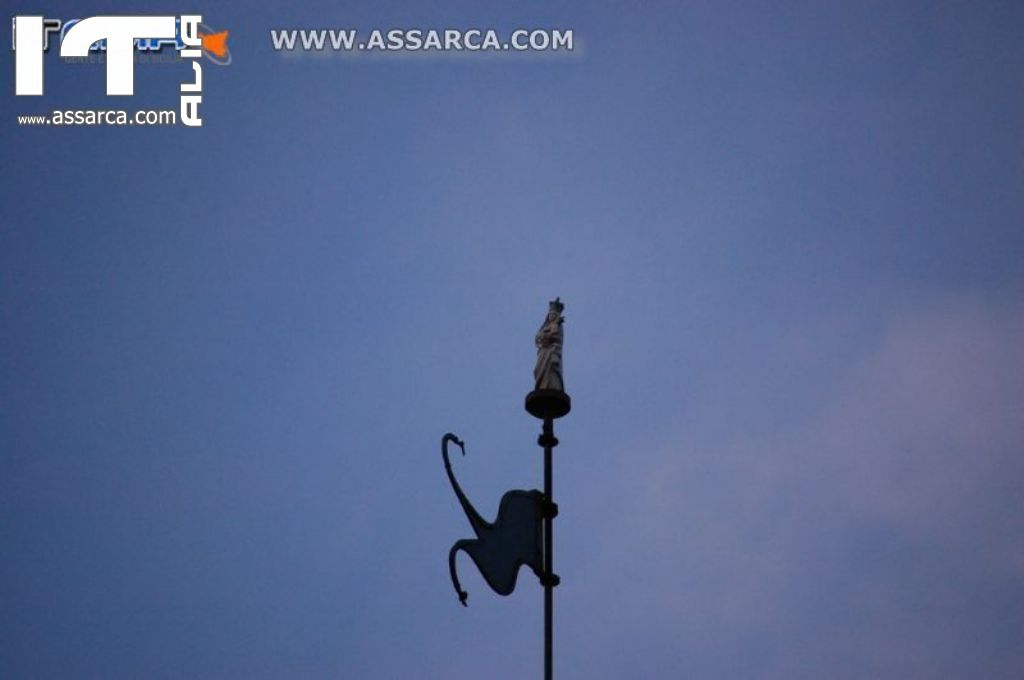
(546,404)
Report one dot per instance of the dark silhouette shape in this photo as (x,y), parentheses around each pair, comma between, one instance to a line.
(501,547)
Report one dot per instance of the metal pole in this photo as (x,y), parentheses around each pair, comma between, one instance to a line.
(548,441)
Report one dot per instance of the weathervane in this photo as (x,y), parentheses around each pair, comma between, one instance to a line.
(522,532)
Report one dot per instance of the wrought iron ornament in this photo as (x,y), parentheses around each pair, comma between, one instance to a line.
(501,547)
(522,533)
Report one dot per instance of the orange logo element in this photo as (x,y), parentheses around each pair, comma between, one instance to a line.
(216,43)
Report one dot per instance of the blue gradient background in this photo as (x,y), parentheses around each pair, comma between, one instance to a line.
(789,237)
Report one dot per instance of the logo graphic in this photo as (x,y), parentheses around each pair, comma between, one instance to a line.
(119,37)
(215,45)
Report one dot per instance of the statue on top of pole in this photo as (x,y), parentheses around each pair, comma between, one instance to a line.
(547,374)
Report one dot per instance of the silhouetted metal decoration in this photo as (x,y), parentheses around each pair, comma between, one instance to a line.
(522,533)
(499,549)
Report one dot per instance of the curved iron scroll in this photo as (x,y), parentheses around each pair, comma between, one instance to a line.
(502,546)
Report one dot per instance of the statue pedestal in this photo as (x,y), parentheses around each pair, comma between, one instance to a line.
(545,404)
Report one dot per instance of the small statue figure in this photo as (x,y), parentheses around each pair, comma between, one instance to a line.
(548,371)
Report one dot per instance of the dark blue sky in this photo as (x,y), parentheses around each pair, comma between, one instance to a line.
(789,237)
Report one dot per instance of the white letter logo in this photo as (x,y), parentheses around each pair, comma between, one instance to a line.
(120,34)
(28,55)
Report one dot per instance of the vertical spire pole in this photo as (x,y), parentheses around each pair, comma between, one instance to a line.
(548,441)
(547,402)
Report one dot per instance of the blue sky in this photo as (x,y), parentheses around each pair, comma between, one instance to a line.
(789,241)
